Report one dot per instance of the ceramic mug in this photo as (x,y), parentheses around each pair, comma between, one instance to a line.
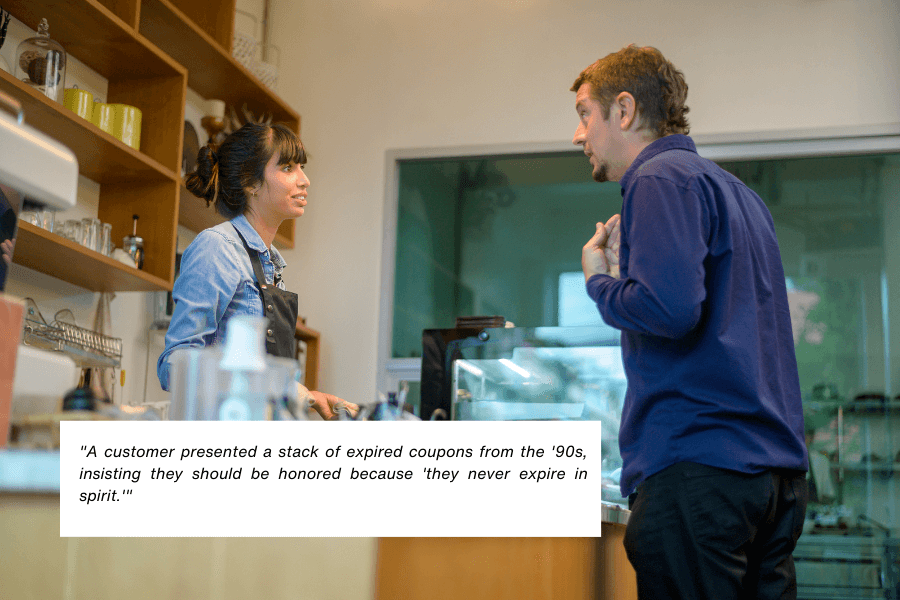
(103,116)
(79,102)
(126,124)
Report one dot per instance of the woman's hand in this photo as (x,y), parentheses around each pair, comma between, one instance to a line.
(327,406)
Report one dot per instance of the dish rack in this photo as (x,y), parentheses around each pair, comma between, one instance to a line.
(267,72)
(87,348)
(245,46)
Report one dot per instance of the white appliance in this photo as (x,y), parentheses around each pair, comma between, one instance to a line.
(42,173)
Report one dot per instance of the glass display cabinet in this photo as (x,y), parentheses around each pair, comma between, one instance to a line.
(851,547)
(543,373)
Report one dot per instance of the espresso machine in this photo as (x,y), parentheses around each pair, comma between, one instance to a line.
(40,174)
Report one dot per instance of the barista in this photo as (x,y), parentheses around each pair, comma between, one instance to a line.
(256,180)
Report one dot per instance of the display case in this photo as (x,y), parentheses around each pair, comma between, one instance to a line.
(851,542)
(531,373)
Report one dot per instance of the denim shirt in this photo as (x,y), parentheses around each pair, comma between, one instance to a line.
(216,282)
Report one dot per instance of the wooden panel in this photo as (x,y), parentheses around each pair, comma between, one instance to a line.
(97,37)
(284,237)
(41,566)
(142,568)
(32,555)
(212,71)
(614,576)
(505,568)
(127,10)
(484,569)
(156,205)
(161,102)
(215,17)
(101,157)
(312,338)
(64,259)
(194,214)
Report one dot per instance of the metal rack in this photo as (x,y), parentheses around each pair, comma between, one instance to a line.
(87,348)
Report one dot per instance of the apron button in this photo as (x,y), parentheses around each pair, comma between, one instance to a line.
(269,307)
(269,332)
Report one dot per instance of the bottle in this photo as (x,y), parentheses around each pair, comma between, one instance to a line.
(244,358)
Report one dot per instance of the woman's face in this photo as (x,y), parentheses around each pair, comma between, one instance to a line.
(283,193)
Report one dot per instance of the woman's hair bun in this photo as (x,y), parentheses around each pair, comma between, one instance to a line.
(204,181)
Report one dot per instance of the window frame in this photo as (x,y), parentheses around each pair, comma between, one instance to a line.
(760,145)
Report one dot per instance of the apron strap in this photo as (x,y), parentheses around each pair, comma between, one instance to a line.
(254,260)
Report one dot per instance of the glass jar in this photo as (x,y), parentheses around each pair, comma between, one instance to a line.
(134,246)
(41,63)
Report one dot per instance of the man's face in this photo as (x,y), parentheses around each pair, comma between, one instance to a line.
(597,137)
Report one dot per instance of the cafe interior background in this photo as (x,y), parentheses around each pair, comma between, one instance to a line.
(444,183)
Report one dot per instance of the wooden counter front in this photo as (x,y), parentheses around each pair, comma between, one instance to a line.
(505,568)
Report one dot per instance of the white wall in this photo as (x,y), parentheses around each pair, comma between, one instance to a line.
(377,75)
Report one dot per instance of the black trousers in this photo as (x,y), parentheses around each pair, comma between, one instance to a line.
(698,532)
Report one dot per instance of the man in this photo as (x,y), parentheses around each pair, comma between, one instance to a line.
(711,436)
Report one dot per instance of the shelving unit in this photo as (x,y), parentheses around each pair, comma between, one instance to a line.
(149,51)
(131,182)
(206,53)
(884,467)
(198,34)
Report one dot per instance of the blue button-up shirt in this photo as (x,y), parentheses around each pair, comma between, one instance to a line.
(215,283)
(706,331)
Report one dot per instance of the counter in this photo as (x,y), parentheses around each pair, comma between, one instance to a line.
(47,566)
(29,471)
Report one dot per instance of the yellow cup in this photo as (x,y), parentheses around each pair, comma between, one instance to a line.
(103,116)
(126,124)
(79,102)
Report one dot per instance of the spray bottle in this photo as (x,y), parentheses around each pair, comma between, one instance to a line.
(244,358)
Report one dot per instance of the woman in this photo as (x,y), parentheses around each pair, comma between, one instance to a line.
(256,180)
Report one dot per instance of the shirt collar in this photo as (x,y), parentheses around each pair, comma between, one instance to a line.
(675,141)
(241,223)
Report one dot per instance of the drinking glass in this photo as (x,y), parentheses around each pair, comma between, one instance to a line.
(105,239)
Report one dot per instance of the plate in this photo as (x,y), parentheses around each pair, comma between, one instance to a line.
(189,150)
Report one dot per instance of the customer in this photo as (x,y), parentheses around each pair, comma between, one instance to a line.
(711,435)
(256,180)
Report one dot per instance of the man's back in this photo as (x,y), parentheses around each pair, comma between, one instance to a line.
(709,353)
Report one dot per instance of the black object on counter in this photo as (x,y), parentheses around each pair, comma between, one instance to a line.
(440,347)
(81,398)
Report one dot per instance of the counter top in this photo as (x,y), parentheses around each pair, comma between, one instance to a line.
(614,513)
(29,471)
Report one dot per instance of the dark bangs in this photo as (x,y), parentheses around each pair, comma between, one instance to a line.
(288,146)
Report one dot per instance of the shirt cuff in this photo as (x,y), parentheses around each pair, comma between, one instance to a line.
(595,283)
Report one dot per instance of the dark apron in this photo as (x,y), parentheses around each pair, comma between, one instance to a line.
(279,306)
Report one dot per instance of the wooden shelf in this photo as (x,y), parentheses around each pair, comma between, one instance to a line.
(101,157)
(311,337)
(196,216)
(885,467)
(54,255)
(212,71)
(92,33)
